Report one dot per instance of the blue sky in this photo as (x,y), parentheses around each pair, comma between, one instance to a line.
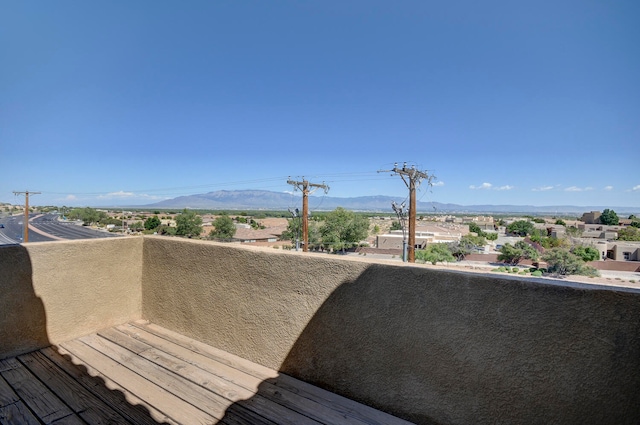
(505,102)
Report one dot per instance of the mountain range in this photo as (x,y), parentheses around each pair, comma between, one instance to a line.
(281,201)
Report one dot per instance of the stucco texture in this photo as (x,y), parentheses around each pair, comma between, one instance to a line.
(430,346)
(427,345)
(53,292)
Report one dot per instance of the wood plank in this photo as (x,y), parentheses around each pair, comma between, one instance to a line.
(225,372)
(126,404)
(162,400)
(241,396)
(17,413)
(79,399)
(7,395)
(46,405)
(321,412)
(213,404)
(69,420)
(233,413)
(209,401)
(237,415)
(217,354)
(344,406)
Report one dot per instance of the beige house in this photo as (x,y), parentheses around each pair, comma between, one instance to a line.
(592,217)
(425,235)
(618,250)
(624,251)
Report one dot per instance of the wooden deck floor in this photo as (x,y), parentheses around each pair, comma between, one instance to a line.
(140,373)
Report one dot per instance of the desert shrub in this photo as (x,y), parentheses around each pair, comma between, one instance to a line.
(562,262)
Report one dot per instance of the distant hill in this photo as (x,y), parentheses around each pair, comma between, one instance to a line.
(280,201)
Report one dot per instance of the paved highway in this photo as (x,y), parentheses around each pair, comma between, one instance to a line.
(49,224)
(13,231)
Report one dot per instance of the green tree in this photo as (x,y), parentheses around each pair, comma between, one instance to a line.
(473,227)
(491,236)
(520,228)
(586,253)
(609,217)
(513,254)
(136,226)
(435,253)
(223,228)
(163,229)
(562,262)
(152,223)
(87,215)
(540,236)
(395,225)
(465,246)
(343,229)
(294,231)
(255,225)
(560,222)
(629,234)
(188,223)
(573,231)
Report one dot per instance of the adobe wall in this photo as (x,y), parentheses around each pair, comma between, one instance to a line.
(53,292)
(612,265)
(428,345)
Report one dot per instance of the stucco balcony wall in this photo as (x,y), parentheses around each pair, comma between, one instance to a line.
(427,345)
(54,292)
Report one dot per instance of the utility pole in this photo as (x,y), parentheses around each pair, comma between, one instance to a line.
(402,218)
(26,194)
(412,179)
(304,186)
(296,214)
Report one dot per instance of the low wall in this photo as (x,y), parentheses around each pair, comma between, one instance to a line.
(53,292)
(620,266)
(428,345)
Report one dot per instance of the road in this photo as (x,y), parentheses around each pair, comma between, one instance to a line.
(50,225)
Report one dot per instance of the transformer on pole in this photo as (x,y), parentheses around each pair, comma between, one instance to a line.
(304,186)
(412,178)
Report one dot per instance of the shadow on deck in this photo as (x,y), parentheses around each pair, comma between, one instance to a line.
(140,373)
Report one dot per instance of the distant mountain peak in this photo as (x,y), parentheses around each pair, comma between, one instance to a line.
(249,199)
